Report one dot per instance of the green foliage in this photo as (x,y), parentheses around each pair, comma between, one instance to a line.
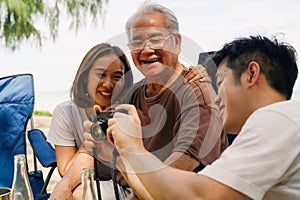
(19,18)
(42,113)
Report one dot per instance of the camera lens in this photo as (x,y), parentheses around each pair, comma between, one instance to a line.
(97,132)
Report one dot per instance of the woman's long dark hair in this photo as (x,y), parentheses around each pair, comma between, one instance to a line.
(78,93)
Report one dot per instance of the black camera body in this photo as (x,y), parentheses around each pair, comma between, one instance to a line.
(98,130)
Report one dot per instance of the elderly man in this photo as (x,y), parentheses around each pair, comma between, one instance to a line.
(181,124)
(167,105)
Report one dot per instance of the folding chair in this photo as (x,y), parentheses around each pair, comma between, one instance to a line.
(16,107)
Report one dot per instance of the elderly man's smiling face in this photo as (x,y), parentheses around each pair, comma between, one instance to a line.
(153,46)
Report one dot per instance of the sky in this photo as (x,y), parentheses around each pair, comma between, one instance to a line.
(205,26)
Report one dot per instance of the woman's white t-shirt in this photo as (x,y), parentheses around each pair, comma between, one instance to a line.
(66,127)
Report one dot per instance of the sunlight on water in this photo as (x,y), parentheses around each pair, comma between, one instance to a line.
(47,100)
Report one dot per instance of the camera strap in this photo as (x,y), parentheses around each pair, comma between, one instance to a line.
(96,174)
(113,172)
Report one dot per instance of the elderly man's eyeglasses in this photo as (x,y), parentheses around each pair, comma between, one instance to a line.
(154,43)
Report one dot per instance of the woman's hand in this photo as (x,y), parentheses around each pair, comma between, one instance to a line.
(100,149)
(197,73)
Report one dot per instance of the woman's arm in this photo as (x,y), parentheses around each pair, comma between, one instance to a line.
(64,158)
(70,162)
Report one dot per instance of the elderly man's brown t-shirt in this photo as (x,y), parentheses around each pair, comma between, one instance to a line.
(183,118)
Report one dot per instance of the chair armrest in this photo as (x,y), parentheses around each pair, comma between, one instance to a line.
(41,148)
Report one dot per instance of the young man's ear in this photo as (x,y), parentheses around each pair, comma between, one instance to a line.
(253,72)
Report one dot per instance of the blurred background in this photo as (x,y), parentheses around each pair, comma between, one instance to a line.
(205,25)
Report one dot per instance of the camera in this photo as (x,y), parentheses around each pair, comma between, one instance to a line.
(98,130)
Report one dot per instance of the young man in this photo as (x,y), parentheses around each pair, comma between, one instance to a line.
(255,79)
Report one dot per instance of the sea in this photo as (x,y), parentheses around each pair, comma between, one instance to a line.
(47,100)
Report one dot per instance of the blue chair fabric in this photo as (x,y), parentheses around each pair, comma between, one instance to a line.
(45,153)
(41,148)
(16,107)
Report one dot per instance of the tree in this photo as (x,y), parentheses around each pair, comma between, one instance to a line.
(20,19)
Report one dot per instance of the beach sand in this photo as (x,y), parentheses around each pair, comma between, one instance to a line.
(42,123)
